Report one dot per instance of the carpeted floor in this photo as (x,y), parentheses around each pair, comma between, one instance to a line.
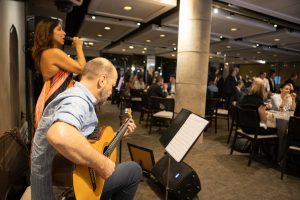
(223,176)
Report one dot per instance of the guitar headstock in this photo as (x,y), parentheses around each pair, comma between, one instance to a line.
(128,112)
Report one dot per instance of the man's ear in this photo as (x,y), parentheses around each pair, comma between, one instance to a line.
(101,81)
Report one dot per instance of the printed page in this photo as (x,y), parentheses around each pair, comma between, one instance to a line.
(186,136)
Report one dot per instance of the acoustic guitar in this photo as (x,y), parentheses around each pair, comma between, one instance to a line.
(86,183)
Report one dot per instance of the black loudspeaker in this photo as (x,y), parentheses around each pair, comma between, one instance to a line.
(184,183)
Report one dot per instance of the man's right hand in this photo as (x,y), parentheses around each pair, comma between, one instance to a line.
(107,170)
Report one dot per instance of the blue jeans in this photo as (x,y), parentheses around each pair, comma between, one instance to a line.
(123,183)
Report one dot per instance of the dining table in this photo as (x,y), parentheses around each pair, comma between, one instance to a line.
(281,122)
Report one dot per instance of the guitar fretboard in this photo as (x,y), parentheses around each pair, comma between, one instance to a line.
(117,138)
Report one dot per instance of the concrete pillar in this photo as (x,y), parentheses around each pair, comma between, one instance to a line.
(193,55)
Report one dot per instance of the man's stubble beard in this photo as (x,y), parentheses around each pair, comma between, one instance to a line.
(103,97)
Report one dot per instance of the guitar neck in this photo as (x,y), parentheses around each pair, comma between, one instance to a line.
(117,138)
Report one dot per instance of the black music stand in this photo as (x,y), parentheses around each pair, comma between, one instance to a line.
(143,156)
(180,137)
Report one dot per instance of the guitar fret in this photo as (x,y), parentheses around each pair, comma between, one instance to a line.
(117,139)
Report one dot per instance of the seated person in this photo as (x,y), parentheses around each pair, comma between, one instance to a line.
(158,89)
(255,100)
(65,124)
(285,100)
(172,84)
(212,89)
(238,91)
(139,84)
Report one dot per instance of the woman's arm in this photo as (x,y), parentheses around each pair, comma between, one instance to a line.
(54,59)
(77,43)
(262,114)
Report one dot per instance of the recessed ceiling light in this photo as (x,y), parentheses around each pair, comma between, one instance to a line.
(228,47)
(143,51)
(91,43)
(148,40)
(258,52)
(123,49)
(174,44)
(93,17)
(261,61)
(138,23)
(210,57)
(174,48)
(162,35)
(233,29)
(173,55)
(221,36)
(107,28)
(216,10)
(257,45)
(275,25)
(99,35)
(131,47)
(127,8)
(145,48)
(276,39)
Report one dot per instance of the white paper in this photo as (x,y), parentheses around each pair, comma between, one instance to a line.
(186,136)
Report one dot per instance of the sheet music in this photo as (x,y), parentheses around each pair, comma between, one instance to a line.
(186,136)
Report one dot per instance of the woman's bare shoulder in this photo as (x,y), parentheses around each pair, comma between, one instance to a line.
(52,52)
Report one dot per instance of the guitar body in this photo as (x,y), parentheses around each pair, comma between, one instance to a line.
(82,183)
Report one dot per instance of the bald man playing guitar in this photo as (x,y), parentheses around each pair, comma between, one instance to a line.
(67,121)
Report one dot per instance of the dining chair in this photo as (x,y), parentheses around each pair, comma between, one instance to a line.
(233,114)
(161,110)
(210,110)
(248,127)
(145,108)
(222,112)
(293,141)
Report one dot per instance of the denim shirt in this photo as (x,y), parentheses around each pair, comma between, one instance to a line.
(75,106)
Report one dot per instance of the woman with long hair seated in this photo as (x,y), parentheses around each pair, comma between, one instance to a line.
(55,65)
(255,100)
(284,101)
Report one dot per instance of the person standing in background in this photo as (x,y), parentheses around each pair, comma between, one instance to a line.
(55,65)
(271,80)
(262,76)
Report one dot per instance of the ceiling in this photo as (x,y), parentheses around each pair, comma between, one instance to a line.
(151,27)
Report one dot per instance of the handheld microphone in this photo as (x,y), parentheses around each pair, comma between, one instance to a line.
(68,40)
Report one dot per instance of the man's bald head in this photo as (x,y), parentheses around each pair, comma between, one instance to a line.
(99,76)
(94,68)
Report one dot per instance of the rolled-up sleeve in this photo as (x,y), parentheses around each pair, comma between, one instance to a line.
(72,111)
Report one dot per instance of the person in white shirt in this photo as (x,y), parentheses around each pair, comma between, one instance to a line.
(285,100)
(139,83)
(263,76)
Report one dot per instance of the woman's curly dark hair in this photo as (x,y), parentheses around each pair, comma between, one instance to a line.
(43,39)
